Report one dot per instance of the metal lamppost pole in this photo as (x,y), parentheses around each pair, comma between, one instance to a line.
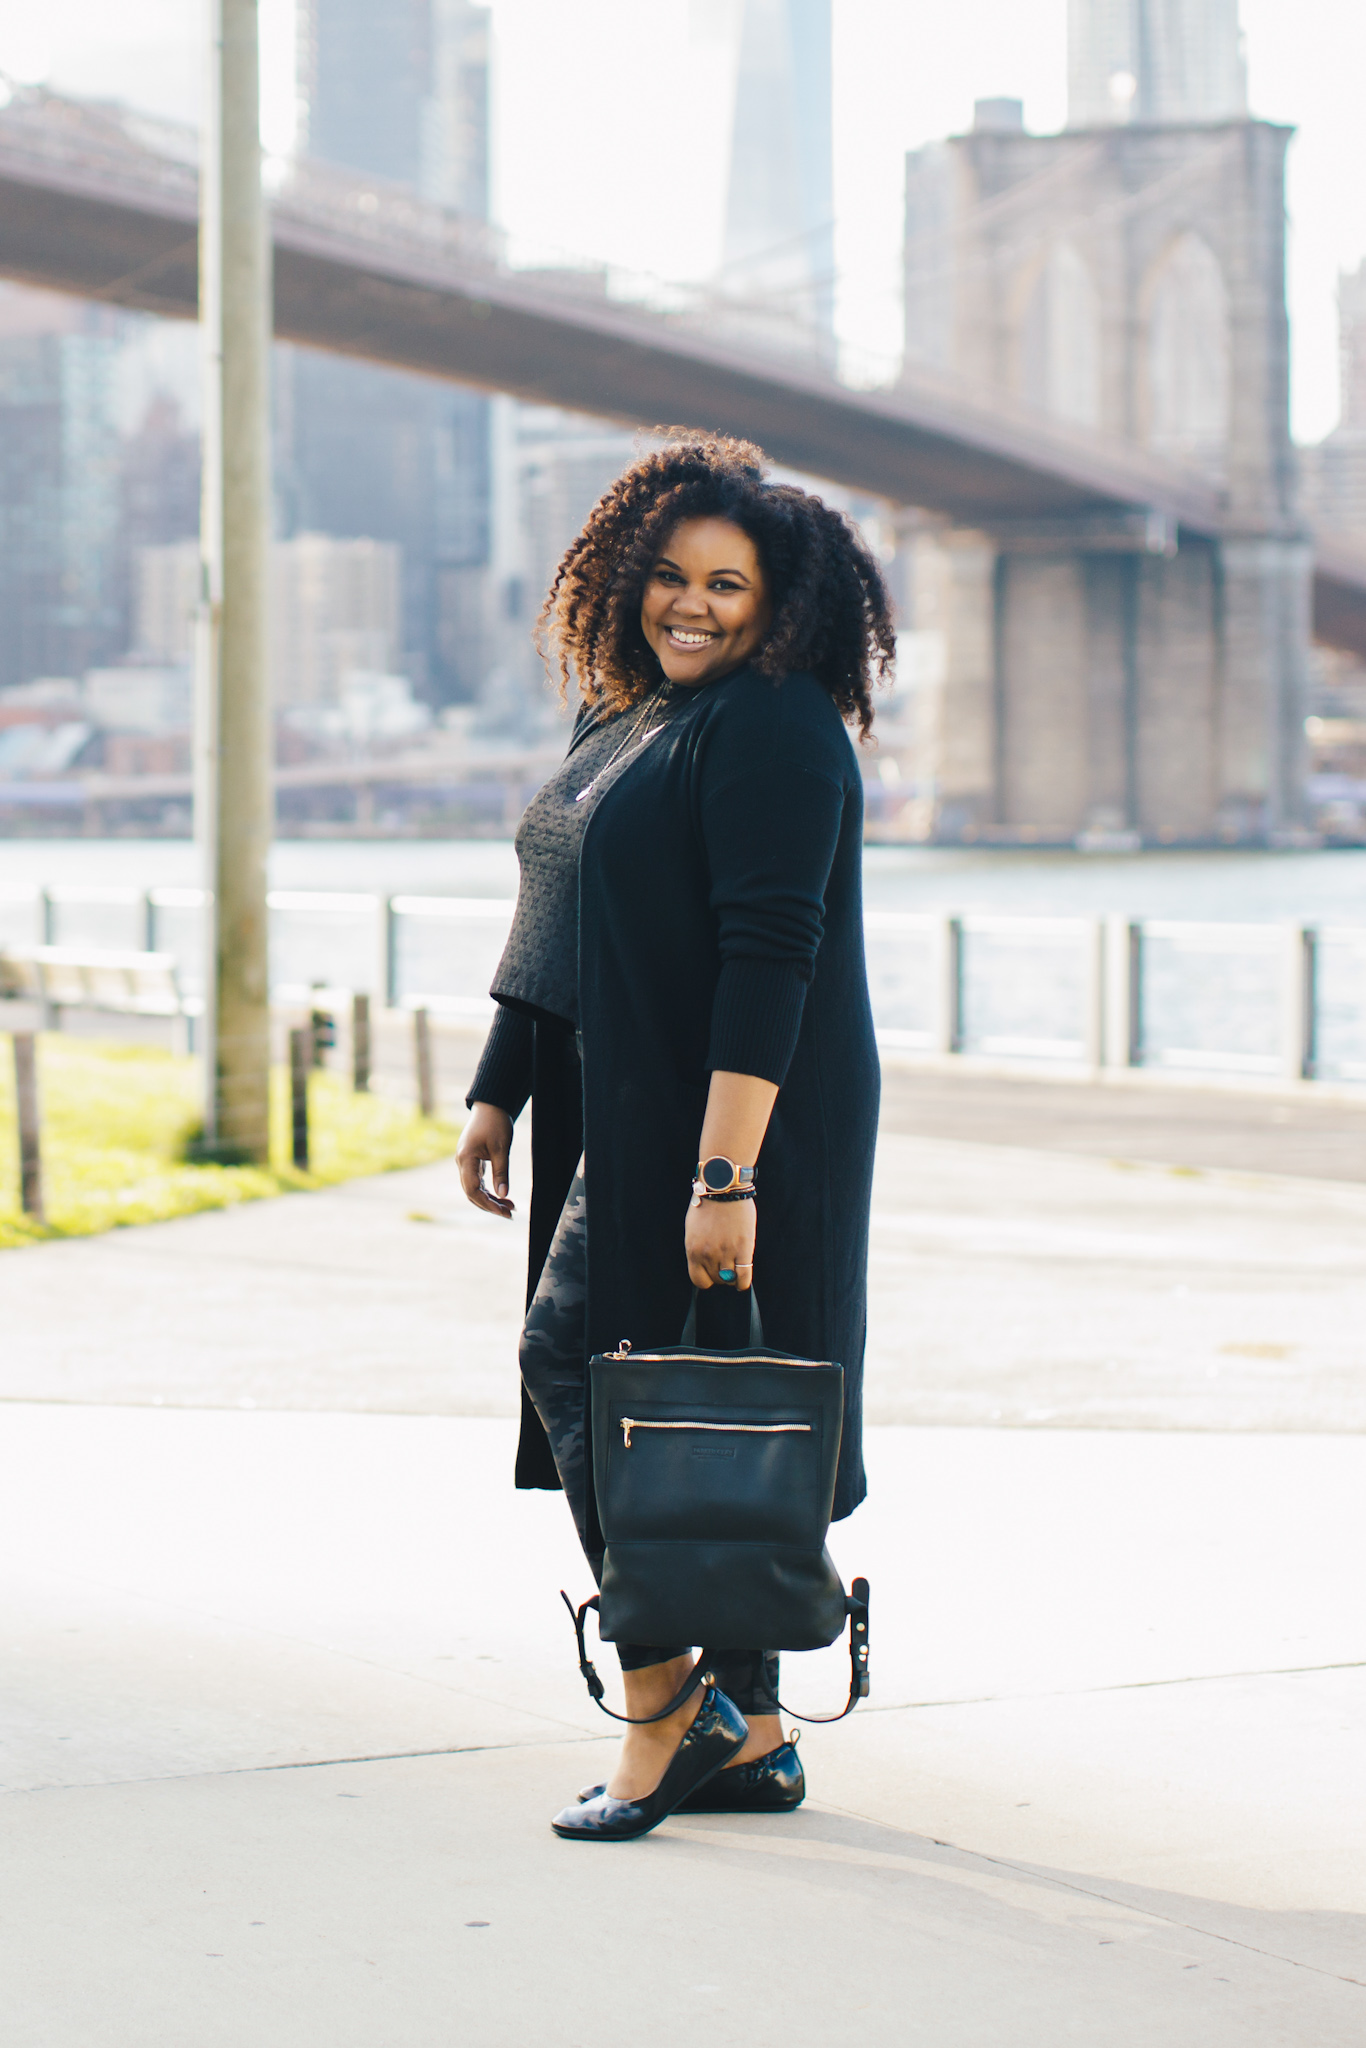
(233,727)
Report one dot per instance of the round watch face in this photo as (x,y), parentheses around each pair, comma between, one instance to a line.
(717,1174)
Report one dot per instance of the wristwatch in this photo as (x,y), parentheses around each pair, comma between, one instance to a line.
(718,1176)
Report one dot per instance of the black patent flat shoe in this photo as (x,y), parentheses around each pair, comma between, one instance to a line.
(718,1730)
(774,1783)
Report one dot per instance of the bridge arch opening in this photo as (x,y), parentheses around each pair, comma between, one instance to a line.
(1060,366)
(1188,354)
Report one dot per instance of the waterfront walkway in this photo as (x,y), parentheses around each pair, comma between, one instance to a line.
(290,1696)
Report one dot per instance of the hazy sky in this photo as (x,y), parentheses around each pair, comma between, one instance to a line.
(610,122)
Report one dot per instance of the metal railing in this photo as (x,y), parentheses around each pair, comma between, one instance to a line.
(1260,1002)
(1257,1002)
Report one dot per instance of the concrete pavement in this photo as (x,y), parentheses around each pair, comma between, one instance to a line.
(291,1703)
(289,1696)
(1007,1286)
(1308,1132)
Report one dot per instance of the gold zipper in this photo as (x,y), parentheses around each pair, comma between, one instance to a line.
(705,1357)
(629,1422)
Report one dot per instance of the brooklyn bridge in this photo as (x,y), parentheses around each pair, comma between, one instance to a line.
(1124,624)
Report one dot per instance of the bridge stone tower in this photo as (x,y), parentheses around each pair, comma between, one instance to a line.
(1110,680)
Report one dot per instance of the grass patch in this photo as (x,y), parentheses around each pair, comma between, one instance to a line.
(117,1119)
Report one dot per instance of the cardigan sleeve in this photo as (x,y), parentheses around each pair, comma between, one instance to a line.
(770,829)
(503,1076)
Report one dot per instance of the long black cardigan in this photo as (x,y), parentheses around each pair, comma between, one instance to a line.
(720,927)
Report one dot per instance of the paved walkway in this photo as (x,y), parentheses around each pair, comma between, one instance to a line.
(290,1697)
(291,1702)
(1008,1286)
(1296,1131)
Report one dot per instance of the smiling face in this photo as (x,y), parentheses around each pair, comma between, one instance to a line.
(706,607)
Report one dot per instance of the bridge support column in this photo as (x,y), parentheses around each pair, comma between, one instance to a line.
(1265,593)
(1095,683)
(956,746)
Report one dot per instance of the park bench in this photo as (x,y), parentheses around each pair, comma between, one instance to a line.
(123,984)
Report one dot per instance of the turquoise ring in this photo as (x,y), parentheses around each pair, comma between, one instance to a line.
(727,1276)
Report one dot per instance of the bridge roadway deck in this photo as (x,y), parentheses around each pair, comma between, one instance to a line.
(87,207)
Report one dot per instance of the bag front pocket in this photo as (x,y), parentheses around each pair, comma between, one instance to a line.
(717,1476)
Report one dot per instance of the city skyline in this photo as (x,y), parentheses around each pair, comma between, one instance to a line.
(565,95)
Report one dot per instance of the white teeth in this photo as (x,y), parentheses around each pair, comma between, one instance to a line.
(688,639)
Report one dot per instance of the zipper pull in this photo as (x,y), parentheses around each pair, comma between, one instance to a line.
(622,1349)
(627,1425)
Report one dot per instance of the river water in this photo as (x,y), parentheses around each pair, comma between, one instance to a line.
(1241,887)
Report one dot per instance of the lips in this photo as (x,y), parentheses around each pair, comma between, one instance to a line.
(682,636)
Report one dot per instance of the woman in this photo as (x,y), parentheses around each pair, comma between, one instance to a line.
(684,982)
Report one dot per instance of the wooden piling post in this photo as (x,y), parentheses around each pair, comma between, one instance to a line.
(300,1061)
(26,1102)
(323,1025)
(360,1044)
(422,1046)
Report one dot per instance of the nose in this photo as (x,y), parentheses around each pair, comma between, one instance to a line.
(691,603)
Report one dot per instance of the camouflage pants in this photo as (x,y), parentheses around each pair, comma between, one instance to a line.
(552,1356)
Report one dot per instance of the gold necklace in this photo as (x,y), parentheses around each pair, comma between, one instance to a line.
(657,695)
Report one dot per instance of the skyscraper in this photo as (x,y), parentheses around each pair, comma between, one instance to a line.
(1335,471)
(1154,60)
(399,92)
(60,485)
(455,112)
(367,70)
(780,232)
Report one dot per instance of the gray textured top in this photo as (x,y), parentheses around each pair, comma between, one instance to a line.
(539,969)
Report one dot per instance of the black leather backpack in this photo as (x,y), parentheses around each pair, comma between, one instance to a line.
(715,1477)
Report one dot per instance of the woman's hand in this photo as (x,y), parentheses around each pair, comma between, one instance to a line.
(717,1236)
(486,1138)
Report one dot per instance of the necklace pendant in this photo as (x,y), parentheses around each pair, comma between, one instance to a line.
(584,793)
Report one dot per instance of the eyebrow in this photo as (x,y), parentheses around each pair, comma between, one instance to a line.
(667,562)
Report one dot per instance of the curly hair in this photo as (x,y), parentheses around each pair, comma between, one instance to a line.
(831,612)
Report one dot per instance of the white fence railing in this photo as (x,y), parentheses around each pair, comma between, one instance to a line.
(1259,1001)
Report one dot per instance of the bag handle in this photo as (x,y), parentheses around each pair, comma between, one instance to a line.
(756,1328)
(856,1607)
(856,1610)
(696,1677)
